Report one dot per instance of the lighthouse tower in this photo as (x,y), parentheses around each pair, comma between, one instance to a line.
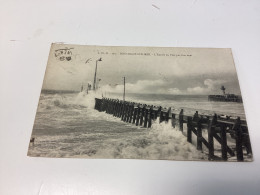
(223,89)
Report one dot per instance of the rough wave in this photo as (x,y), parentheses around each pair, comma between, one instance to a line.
(68,126)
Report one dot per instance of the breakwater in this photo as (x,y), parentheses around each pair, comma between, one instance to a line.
(208,130)
(225,98)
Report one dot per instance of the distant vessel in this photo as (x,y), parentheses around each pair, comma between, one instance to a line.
(225,97)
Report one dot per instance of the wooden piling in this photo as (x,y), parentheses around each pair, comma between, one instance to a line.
(123,111)
(161,117)
(117,109)
(158,112)
(131,113)
(120,109)
(126,112)
(181,120)
(150,117)
(189,129)
(173,120)
(154,113)
(142,115)
(199,130)
(199,136)
(146,116)
(107,105)
(211,128)
(137,115)
(168,114)
(114,107)
(223,136)
(101,106)
(238,132)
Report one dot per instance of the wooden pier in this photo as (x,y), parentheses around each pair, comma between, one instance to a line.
(218,127)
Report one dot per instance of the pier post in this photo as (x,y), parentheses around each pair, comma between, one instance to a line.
(131,110)
(238,132)
(161,117)
(199,135)
(142,115)
(135,113)
(181,120)
(109,107)
(211,131)
(223,136)
(189,131)
(150,117)
(168,115)
(146,116)
(158,112)
(101,105)
(111,104)
(123,111)
(138,115)
(155,111)
(105,105)
(114,107)
(97,104)
(127,112)
(197,119)
(173,120)
(117,108)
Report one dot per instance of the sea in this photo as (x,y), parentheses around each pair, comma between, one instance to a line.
(67,125)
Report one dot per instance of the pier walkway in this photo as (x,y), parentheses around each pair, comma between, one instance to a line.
(216,127)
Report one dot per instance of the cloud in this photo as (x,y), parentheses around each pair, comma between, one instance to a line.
(160,86)
(174,91)
(210,86)
(143,86)
(197,90)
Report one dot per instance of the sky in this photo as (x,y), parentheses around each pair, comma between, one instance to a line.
(151,70)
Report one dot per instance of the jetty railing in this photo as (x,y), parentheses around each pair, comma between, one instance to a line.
(217,127)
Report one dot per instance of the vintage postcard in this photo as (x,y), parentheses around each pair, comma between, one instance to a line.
(140,103)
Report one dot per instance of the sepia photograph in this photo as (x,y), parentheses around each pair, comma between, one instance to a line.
(160,103)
